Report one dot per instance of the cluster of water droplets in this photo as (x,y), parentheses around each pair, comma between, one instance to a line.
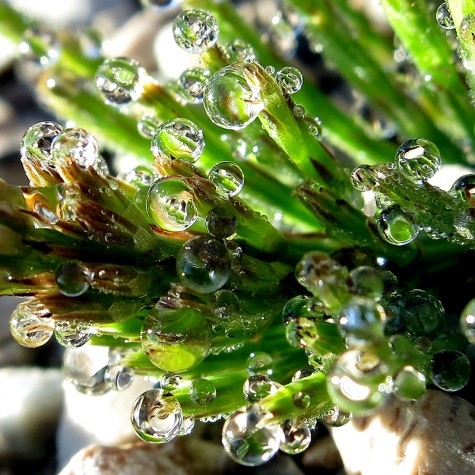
(49,146)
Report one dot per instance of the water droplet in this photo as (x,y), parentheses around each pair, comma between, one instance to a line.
(281,35)
(147,126)
(225,303)
(467,29)
(195,30)
(361,320)
(170,381)
(270,70)
(170,204)
(450,370)
(203,264)
(38,139)
(358,382)
(72,334)
(258,386)
(77,145)
(71,279)
(300,306)
(299,111)
(467,321)
(178,138)
(30,324)
(444,17)
(141,176)
(421,312)
(227,177)
(156,416)
(337,418)
(84,367)
(464,189)
(418,159)
(325,278)
(187,426)
(302,373)
(202,391)
(41,45)
(240,51)
(249,438)
(314,127)
(120,80)
(396,227)
(409,384)
(232,97)
(302,400)
(221,222)
(118,377)
(193,81)
(363,178)
(296,437)
(290,80)
(368,282)
(259,362)
(175,339)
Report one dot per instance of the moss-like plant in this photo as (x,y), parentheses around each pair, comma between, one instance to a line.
(236,266)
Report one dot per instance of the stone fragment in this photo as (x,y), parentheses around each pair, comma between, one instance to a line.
(432,436)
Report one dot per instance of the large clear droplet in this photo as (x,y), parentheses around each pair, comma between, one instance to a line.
(232,97)
(193,81)
(71,279)
(249,438)
(30,324)
(38,139)
(227,177)
(450,370)
(296,437)
(337,418)
(119,80)
(202,391)
(396,227)
(170,204)
(195,30)
(175,339)
(444,17)
(170,381)
(203,264)
(156,416)
(290,80)
(259,362)
(464,189)
(358,382)
(178,138)
(78,145)
(418,159)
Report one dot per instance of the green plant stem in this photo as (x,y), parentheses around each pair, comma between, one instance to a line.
(415,25)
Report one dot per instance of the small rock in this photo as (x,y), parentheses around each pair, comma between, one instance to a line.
(433,436)
(30,404)
(179,457)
